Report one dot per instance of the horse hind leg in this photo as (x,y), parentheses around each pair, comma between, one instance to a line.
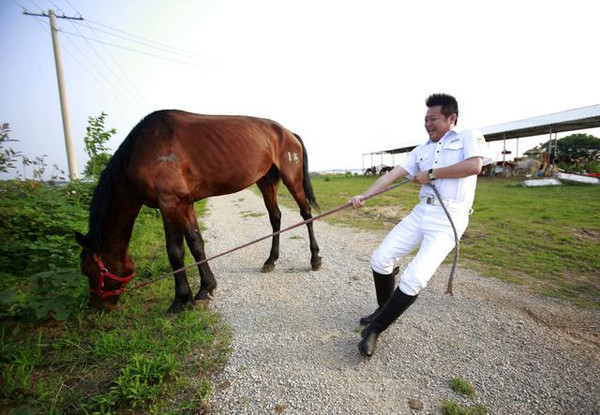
(315,260)
(268,187)
(296,189)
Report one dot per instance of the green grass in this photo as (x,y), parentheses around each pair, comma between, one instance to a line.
(546,238)
(452,408)
(137,360)
(462,387)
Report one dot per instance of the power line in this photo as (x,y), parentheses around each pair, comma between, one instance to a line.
(20,5)
(127,78)
(110,70)
(108,84)
(150,45)
(102,84)
(58,7)
(149,42)
(134,50)
(73,7)
(35,5)
(100,79)
(131,86)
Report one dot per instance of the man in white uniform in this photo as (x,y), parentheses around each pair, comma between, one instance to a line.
(450,160)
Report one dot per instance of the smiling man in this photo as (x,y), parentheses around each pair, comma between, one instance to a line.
(450,160)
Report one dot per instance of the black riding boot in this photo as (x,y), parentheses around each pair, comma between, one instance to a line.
(389,313)
(384,288)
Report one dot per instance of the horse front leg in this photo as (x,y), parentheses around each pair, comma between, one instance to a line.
(176,253)
(194,240)
(269,192)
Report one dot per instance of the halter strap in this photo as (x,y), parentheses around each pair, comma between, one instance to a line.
(105,273)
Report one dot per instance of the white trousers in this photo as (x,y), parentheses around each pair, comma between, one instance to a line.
(427,226)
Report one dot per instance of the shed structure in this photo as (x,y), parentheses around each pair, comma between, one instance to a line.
(570,120)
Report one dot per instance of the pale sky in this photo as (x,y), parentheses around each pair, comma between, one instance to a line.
(349,77)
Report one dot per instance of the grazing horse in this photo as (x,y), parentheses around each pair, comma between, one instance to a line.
(170,160)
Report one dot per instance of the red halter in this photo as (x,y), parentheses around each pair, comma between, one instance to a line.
(104,272)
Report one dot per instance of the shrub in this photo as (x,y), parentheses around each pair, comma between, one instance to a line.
(38,267)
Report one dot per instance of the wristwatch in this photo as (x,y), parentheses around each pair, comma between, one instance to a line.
(431,175)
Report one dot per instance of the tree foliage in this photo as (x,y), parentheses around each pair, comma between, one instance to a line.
(577,146)
(96,139)
(577,153)
(8,156)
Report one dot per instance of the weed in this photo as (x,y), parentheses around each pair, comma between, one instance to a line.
(142,381)
(463,387)
(452,408)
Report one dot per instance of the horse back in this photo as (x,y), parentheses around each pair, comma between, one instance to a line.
(195,156)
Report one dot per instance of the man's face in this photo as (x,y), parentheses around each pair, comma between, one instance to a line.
(437,124)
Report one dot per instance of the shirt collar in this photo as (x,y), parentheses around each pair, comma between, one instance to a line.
(449,133)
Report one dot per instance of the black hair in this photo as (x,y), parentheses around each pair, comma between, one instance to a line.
(447,102)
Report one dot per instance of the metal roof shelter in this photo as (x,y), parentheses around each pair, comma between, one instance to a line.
(571,120)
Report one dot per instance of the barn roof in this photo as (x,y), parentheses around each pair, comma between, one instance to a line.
(570,120)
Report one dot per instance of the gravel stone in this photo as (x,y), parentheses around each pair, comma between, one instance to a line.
(295,331)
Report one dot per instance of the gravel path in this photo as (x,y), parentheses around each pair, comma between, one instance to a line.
(295,332)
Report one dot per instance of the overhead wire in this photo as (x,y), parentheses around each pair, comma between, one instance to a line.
(128,86)
(35,5)
(137,96)
(137,51)
(110,70)
(101,83)
(43,23)
(149,42)
(106,84)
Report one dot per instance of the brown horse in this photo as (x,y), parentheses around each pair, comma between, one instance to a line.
(170,160)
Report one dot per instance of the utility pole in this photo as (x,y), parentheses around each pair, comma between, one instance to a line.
(61,88)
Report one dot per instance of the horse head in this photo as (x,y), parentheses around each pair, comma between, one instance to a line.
(106,287)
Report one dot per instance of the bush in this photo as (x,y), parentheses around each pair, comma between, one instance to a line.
(39,267)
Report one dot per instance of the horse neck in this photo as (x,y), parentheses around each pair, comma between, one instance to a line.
(118,227)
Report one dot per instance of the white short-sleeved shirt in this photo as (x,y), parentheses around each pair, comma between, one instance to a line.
(452,148)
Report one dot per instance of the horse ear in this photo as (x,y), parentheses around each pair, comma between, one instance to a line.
(83,241)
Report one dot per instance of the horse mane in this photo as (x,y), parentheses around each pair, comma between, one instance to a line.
(101,199)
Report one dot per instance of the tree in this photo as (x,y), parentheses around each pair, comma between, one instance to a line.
(577,152)
(95,140)
(580,145)
(8,156)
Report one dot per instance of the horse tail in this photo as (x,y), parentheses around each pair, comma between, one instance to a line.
(306,184)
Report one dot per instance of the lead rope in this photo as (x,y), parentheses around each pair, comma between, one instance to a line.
(450,287)
(321,216)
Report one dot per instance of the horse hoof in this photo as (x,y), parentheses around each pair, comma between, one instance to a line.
(176,308)
(202,296)
(317,264)
(267,268)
